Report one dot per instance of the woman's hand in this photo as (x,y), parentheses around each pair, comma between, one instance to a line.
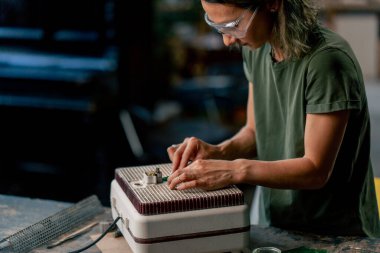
(205,174)
(190,150)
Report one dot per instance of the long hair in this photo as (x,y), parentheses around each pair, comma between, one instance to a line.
(295,24)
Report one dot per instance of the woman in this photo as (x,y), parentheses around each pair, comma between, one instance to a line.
(307,135)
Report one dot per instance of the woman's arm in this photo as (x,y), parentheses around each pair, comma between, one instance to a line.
(323,136)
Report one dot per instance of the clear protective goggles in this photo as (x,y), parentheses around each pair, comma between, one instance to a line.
(237,28)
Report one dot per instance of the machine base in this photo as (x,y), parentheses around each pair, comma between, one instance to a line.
(224,229)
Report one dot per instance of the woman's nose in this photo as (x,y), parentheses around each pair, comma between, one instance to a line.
(228,40)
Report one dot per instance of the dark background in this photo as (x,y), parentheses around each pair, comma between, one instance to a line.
(87,86)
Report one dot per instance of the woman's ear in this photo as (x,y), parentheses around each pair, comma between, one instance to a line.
(274,6)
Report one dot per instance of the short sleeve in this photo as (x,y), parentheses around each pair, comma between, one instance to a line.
(333,82)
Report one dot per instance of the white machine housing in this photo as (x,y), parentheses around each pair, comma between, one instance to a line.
(224,229)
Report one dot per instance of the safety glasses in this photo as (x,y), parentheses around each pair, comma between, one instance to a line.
(237,28)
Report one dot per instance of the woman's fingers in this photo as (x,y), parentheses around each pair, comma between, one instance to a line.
(186,185)
(183,154)
(181,176)
(178,156)
(203,174)
(189,153)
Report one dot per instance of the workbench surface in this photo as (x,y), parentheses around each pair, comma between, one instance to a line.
(17,213)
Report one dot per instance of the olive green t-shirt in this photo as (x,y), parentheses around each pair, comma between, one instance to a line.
(328,79)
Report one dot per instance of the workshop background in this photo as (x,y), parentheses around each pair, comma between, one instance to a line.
(87,86)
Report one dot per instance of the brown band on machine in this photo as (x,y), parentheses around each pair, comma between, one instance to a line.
(188,236)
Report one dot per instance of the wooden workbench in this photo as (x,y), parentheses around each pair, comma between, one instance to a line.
(17,213)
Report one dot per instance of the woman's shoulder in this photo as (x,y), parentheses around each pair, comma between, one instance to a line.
(332,50)
(329,40)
